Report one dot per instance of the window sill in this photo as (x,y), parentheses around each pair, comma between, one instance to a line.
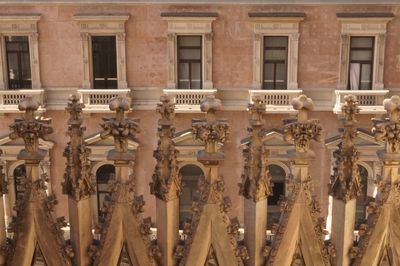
(9,100)
(276,101)
(370,101)
(188,101)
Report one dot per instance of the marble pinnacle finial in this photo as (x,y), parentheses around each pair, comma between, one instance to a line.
(392,106)
(120,103)
(350,108)
(303,104)
(210,104)
(74,98)
(28,104)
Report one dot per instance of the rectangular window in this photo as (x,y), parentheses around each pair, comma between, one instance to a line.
(18,62)
(190,62)
(104,62)
(275,62)
(360,64)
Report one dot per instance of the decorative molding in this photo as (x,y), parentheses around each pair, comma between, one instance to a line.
(185,25)
(364,26)
(103,24)
(20,25)
(276,26)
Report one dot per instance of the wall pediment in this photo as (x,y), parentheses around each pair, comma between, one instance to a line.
(12,147)
(364,141)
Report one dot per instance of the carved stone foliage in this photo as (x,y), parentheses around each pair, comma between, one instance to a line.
(210,211)
(3,180)
(35,203)
(77,177)
(30,129)
(255,179)
(388,129)
(166,183)
(120,127)
(346,180)
(302,131)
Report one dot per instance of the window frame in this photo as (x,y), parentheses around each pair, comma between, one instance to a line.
(363,25)
(189,23)
(190,61)
(285,24)
(361,62)
(19,53)
(274,61)
(20,25)
(94,24)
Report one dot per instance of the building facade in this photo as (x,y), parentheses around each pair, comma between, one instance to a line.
(233,50)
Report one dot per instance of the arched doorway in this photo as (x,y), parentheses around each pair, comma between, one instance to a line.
(19,175)
(278,177)
(362,199)
(104,174)
(190,175)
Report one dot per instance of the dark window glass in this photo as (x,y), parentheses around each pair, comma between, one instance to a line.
(18,62)
(189,62)
(278,177)
(104,62)
(19,181)
(360,64)
(103,175)
(190,176)
(275,62)
(362,199)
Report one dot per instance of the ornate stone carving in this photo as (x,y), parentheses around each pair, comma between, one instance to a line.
(77,177)
(256,180)
(3,180)
(346,180)
(35,203)
(166,183)
(302,131)
(388,129)
(211,205)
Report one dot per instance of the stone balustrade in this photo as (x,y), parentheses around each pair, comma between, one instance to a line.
(188,101)
(9,100)
(97,101)
(276,101)
(370,101)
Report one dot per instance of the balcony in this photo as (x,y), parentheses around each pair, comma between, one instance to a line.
(9,100)
(97,101)
(276,101)
(188,101)
(370,101)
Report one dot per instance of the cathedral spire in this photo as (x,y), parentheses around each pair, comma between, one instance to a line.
(34,226)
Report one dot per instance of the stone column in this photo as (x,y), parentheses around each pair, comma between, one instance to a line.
(171,57)
(207,64)
(255,186)
(166,185)
(345,184)
(85,39)
(379,62)
(34,58)
(121,55)
(257,62)
(293,61)
(344,62)
(78,184)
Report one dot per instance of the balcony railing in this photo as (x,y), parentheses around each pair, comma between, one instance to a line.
(188,101)
(9,99)
(276,101)
(97,101)
(370,101)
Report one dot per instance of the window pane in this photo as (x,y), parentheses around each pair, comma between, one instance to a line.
(361,55)
(354,76)
(281,73)
(275,41)
(104,62)
(272,54)
(268,76)
(183,82)
(362,42)
(25,67)
(190,54)
(189,41)
(365,77)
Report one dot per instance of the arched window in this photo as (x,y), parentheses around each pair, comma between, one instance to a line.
(278,177)
(19,181)
(190,175)
(362,199)
(104,174)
